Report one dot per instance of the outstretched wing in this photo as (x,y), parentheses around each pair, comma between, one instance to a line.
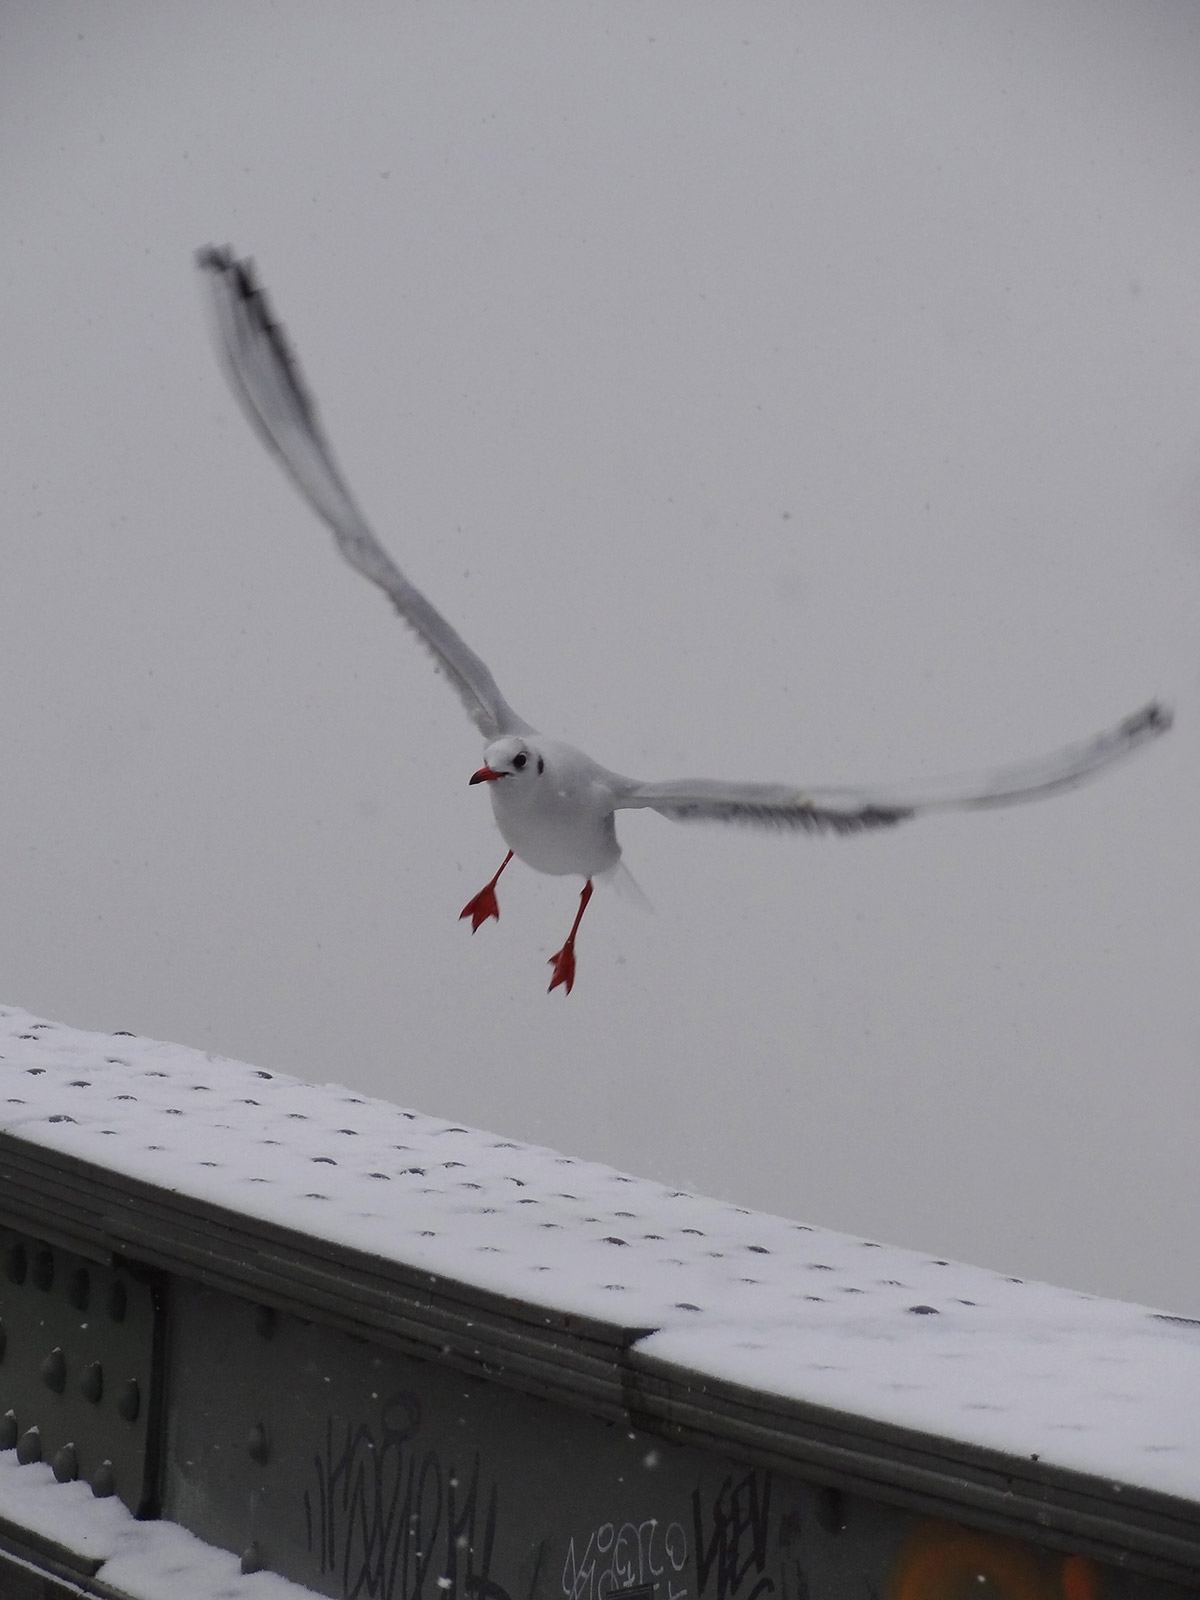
(771,805)
(267,380)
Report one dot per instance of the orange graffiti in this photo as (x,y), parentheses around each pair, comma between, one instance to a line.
(942,1562)
(1080,1579)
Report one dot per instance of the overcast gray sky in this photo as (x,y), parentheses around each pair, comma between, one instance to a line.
(802,392)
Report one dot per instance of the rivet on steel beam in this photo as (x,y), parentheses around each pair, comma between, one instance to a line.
(65,1464)
(91,1382)
(79,1288)
(15,1263)
(264,1321)
(129,1400)
(103,1481)
(117,1300)
(43,1269)
(53,1370)
(259,1445)
(8,1430)
(252,1559)
(29,1446)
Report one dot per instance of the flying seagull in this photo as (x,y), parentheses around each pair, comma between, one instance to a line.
(554,806)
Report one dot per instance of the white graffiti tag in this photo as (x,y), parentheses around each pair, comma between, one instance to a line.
(627,1555)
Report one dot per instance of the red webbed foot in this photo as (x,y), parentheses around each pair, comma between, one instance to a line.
(563,962)
(479,909)
(484,903)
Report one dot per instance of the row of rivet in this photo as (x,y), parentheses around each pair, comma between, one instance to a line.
(17,1267)
(53,1371)
(65,1464)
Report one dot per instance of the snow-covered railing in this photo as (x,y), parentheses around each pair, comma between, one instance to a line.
(373,1352)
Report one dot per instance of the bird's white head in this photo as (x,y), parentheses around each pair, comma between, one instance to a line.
(511,759)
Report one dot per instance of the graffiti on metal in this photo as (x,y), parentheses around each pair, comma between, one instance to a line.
(396,1520)
(942,1562)
(731,1538)
(622,1557)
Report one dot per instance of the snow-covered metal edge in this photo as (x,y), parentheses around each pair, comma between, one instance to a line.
(608,1291)
(62,1529)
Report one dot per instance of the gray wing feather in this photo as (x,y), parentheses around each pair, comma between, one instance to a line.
(267,380)
(769,805)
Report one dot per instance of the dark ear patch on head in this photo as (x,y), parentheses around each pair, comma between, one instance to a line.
(541,765)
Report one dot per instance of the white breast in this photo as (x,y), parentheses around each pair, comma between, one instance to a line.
(560,821)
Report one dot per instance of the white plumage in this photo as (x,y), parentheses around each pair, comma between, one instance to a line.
(554,806)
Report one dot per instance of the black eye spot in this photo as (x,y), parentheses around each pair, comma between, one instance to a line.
(519,761)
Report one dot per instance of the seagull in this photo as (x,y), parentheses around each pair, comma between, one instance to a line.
(554,806)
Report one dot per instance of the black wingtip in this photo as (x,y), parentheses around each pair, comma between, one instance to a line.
(221,260)
(1154,718)
(214,258)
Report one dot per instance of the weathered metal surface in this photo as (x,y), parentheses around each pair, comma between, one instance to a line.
(78,1367)
(385,1355)
(360,1471)
(39,1569)
(590,1366)
(1155,1533)
(97,1209)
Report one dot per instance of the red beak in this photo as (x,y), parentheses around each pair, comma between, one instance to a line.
(486,775)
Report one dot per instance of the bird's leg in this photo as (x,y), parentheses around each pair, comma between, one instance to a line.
(563,961)
(484,904)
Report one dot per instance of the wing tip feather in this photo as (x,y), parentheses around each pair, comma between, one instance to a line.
(1151,720)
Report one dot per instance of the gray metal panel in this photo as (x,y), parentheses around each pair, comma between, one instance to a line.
(541,1350)
(451,1234)
(363,1472)
(1121,1526)
(592,1367)
(78,1368)
(416,1229)
(38,1569)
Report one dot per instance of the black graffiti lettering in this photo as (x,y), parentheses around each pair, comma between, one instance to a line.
(484,1588)
(396,1523)
(794,1585)
(736,1542)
